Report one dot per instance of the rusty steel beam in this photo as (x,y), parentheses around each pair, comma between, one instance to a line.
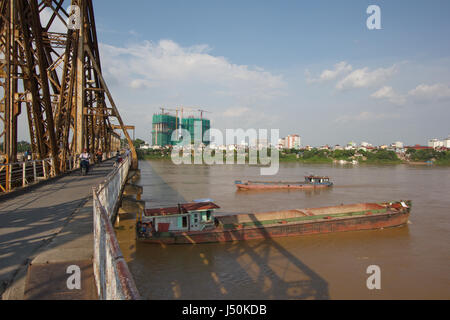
(58,78)
(134,164)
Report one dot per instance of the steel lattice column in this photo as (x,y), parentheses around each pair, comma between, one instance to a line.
(58,77)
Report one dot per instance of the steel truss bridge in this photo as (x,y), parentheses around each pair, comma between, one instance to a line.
(56,80)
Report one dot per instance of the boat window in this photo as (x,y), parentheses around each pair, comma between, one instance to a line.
(185,222)
(208,215)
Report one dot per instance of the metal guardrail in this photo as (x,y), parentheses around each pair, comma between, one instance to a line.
(113,278)
(22,174)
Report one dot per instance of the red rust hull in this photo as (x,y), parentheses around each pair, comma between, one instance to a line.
(277,187)
(368,222)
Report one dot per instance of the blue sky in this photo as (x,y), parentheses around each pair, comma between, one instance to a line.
(306,67)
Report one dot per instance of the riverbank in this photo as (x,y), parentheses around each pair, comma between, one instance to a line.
(165,155)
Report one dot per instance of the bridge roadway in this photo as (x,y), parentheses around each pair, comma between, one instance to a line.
(45,229)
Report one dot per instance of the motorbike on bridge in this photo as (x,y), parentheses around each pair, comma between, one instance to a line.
(84,162)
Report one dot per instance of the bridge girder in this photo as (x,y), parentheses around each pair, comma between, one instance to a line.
(58,77)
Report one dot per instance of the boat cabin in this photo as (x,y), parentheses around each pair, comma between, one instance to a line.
(194,216)
(317,179)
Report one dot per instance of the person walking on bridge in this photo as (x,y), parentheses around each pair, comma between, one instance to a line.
(84,160)
(99,156)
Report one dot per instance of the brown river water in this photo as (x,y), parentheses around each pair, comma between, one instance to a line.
(414,260)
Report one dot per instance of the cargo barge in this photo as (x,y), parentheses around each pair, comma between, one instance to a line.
(194,223)
(311,182)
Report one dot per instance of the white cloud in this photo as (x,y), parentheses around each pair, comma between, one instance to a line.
(141,84)
(430,92)
(388,93)
(327,75)
(364,78)
(364,116)
(166,64)
(235,112)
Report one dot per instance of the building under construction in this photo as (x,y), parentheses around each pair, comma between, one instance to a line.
(164,124)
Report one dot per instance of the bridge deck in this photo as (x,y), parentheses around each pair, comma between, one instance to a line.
(51,227)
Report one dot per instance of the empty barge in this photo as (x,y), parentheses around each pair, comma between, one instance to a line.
(194,223)
(311,182)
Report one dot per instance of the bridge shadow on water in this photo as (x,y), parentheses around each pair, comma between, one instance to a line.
(255,269)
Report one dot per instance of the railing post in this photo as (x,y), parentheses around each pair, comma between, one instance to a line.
(10,177)
(24,172)
(34,172)
(52,167)
(44,168)
(7,178)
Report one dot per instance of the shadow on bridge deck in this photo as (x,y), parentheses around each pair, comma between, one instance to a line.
(48,225)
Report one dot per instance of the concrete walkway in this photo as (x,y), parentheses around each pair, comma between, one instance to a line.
(45,230)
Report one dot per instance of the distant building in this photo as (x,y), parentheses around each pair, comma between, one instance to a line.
(398,145)
(447,142)
(351,146)
(439,143)
(244,144)
(435,143)
(365,144)
(164,124)
(197,127)
(419,147)
(292,142)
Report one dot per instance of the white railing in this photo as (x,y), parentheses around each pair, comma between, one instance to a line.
(113,278)
(110,190)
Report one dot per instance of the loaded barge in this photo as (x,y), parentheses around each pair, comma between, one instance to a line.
(311,182)
(194,223)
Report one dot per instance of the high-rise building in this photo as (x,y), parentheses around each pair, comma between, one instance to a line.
(198,129)
(164,125)
(292,141)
